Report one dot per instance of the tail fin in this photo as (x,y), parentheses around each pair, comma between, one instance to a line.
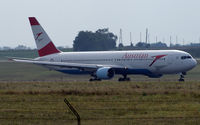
(44,44)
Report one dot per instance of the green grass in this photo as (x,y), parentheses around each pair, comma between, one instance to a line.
(30,94)
(98,103)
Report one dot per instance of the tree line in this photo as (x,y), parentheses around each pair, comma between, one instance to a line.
(101,40)
(104,40)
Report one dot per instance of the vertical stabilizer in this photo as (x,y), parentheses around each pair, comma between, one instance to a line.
(44,44)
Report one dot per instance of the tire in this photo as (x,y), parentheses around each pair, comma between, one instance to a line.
(120,79)
(128,79)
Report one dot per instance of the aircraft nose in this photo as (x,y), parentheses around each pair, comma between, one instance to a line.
(194,63)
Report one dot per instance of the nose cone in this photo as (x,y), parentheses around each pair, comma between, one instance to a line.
(194,63)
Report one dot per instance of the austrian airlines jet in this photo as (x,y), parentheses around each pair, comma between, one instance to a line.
(103,65)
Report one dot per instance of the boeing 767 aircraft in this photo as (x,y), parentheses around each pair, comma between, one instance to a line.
(103,65)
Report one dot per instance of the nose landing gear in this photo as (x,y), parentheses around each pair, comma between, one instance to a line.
(181,79)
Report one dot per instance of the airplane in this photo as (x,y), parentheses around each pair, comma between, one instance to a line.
(103,65)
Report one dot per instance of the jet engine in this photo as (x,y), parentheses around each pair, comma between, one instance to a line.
(105,73)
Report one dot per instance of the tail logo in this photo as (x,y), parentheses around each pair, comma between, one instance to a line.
(156,58)
(38,35)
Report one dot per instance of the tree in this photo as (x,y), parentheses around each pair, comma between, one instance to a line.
(22,47)
(159,45)
(100,40)
(142,45)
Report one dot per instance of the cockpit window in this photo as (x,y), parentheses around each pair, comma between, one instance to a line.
(186,57)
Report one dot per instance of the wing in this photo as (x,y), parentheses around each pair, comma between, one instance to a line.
(81,66)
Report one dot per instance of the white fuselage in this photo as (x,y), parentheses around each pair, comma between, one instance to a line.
(138,62)
(103,65)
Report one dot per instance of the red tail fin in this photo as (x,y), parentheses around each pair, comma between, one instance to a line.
(44,44)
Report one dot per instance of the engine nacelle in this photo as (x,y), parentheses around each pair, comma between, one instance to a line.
(105,73)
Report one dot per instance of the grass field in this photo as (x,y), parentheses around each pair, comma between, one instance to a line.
(32,95)
(105,103)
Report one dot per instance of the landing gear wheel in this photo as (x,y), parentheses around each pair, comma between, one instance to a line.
(128,79)
(124,79)
(94,79)
(91,80)
(181,79)
(121,79)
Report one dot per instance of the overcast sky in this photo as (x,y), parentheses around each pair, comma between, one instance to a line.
(63,19)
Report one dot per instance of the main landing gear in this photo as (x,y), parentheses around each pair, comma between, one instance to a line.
(125,78)
(95,78)
(181,79)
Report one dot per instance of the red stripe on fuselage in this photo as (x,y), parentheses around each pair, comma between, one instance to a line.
(156,58)
(33,21)
(48,49)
